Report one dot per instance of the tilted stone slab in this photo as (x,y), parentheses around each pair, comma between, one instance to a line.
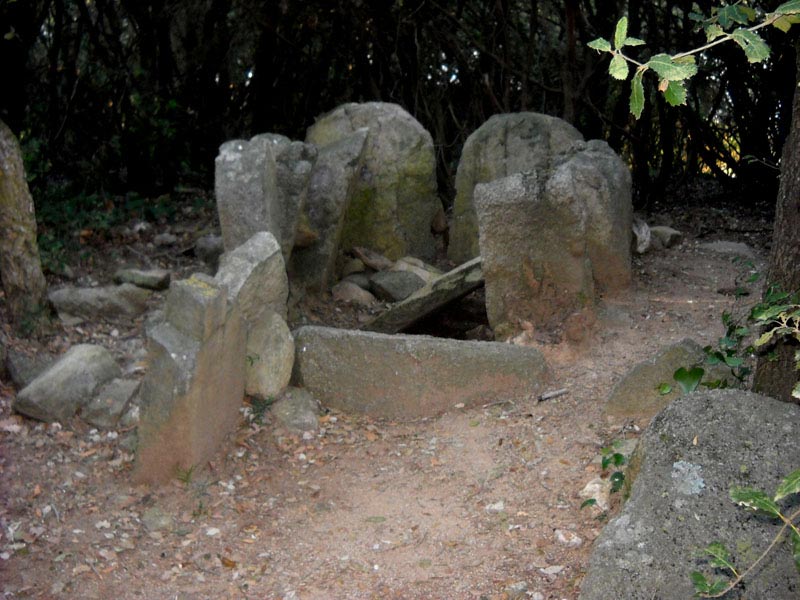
(270,356)
(690,456)
(109,303)
(449,287)
(407,377)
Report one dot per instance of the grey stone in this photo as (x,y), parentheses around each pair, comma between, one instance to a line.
(394,199)
(151,279)
(67,385)
(504,145)
(373,260)
(330,188)
(270,357)
(110,303)
(23,368)
(393,286)
(667,236)
(197,306)
(208,249)
(255,276)
(451,286)
(353,266)
(165,239)
(407,377)
(637,393)
(110,403)
(155,519)
(360,279)
(351,293)
(729,248)
(424,271)
(297,410)
(692,453)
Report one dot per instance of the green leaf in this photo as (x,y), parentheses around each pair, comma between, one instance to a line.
(789,485)
(689,380)
(618,68)
(713,31)
(785,22)
(765,313)
(788,8)
(796,549)
(764,338)
(618,459)
(754,47)
(632,41)
(675,94)
(600,44)
(705,587)
(621,33)
(664,389)
(721,556)
(734,361)
(670,69)
(734,13)
(754,500)
(589,502)
(617,481)
(637,94)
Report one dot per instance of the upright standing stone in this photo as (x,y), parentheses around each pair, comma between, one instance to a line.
(394,201)
(331,186)
(504,145)
(20,267)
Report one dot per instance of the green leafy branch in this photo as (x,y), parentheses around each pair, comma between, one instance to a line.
(779,313)
(674,70)
(759,502)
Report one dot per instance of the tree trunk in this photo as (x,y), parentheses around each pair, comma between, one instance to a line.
(20,267)
(777,376)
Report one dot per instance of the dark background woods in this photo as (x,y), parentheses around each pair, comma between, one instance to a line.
(111,97)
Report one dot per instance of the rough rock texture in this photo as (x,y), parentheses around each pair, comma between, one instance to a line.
(348,291)
(393,286)
(449,287)
(694,451)
(424,271)
(394,200)
(407,377)
(108,303)
(330,188)
(732,248)
(24,368)
(254,274)
(191,394)
(297,410)
(505,144)
(637,395)
(68,385)
(151,279)
(209,248)
(110,403)
(581,212)
(270,356)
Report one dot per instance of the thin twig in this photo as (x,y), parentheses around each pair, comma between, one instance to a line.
(553,394)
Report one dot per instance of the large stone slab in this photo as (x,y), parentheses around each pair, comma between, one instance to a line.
(637,394)
(394,201)
(503,145)
(692,453)
(330,188)
(270,357)
(68,385)
(449,287)
(407,377)
(109,303)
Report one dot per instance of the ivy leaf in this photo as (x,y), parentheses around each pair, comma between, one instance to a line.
(765,313)
(670,69)
(617,480)
(789,485)
(664,389)
(704,586)
(621,33)
(713,31)
(788,8)
(637,95)
(754,500)
(675,94)
(754,47)
(589,502)
(721,556)
(734,13)
(689,380)
(600,44)
(632,41)
(764,338)
(785,22)
(618,68)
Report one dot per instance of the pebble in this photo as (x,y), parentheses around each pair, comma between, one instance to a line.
(496,507)
(568,538)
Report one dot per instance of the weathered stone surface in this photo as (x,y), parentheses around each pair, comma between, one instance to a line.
(394,200)
(209,248)
(694,451)
(351,292)
(68,385)
(504,145)
(110,403)
(393,286)
(270,357)
(255,276)
(189,398)
(109,303)
(449,287)
(330,188)
(151,279)
(407,377)
(729,248)
(580,211)
(297,410)
(424,271)
(637,394)
(197,306)
(24,368)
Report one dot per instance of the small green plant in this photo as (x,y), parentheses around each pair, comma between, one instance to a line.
(779,316)
(759,502)
(258,408)
(185,475)
(611,457)
(252,359)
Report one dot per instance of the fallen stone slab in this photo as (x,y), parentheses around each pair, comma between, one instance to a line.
(110,303)
(110,403)
(394,286)
(23,368)
(150,279)
(451,286)
(729,248)
(67,385)
(690,456)
(408,377)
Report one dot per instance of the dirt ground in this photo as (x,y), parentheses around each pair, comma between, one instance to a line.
(476,503)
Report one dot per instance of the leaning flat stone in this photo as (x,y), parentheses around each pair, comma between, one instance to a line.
(729,248)
(110,303)
(23,368)
(407,377)
(68,385)
(393,286)
(110,402)
(692,453)
(152,279)
(270,356)
(449,287)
